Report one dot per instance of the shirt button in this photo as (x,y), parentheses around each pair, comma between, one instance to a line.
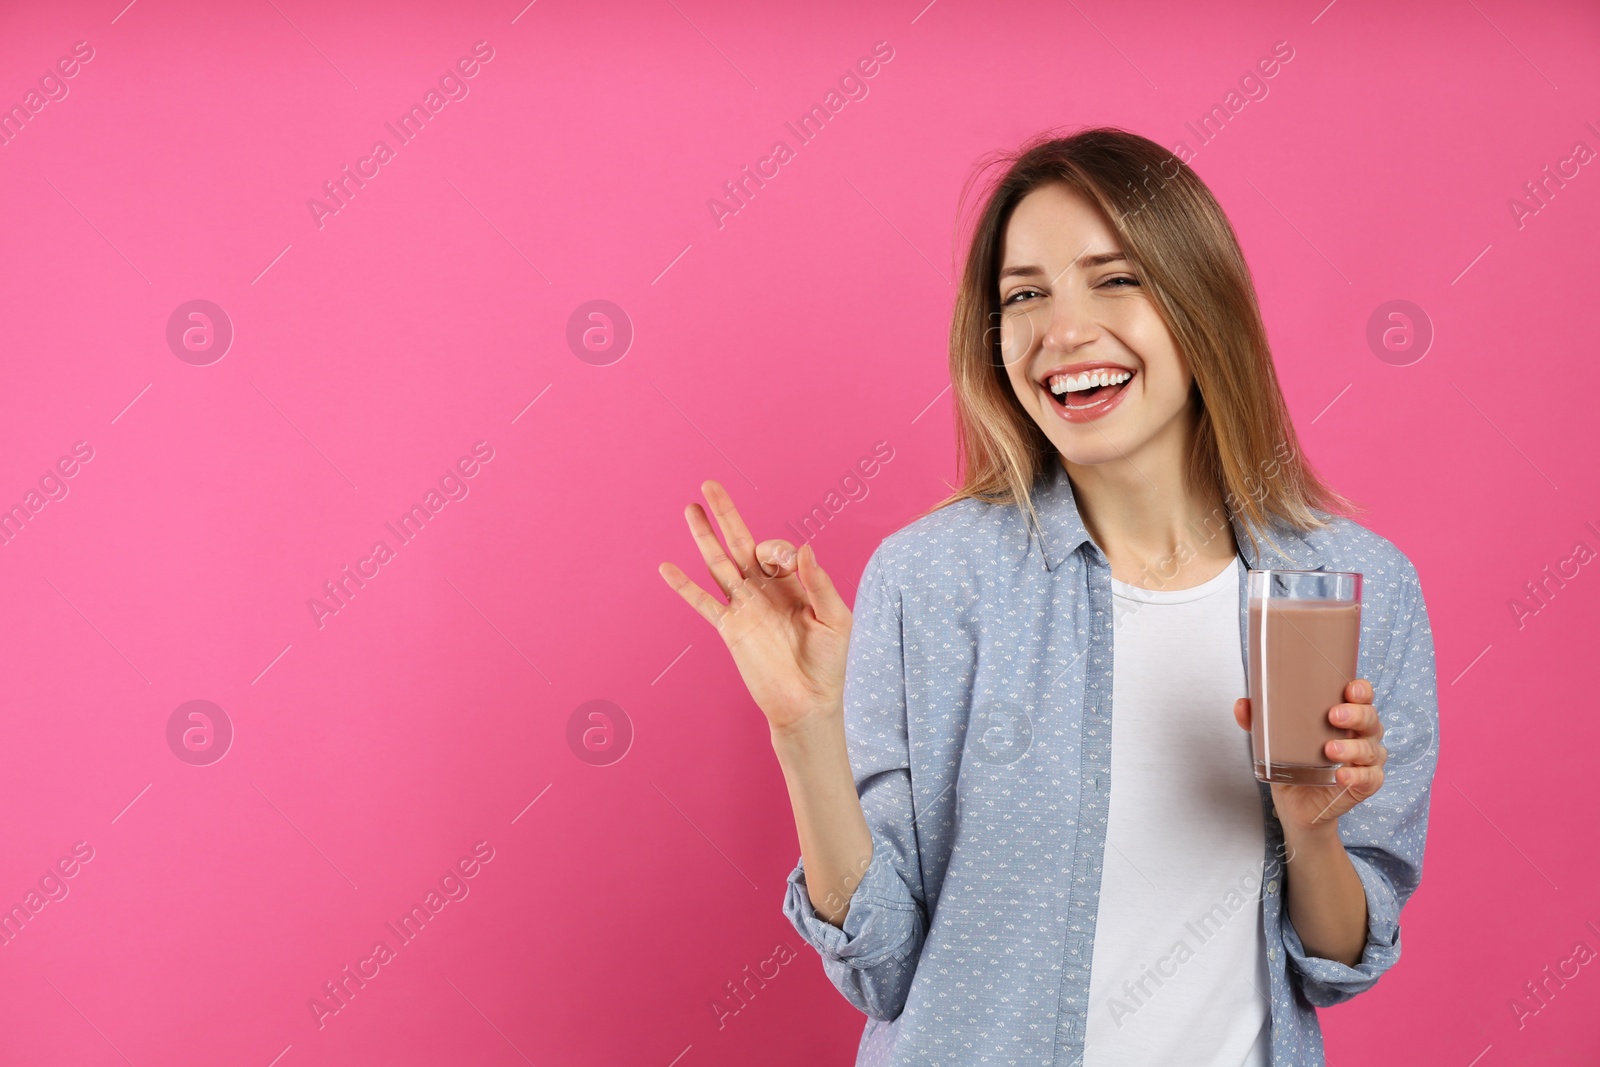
(1272,953)
(1272,886)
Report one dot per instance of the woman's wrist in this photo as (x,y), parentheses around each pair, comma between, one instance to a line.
(1323,835)
(809,735)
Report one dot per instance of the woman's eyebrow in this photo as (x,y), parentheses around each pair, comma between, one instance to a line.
(1098,259)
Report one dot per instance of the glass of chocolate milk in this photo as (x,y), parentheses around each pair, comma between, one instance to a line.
(1305,633)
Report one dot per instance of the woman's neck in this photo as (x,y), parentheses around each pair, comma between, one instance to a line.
(1156,530)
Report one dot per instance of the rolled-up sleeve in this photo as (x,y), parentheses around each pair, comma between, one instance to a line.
(1384,835)
(873,957)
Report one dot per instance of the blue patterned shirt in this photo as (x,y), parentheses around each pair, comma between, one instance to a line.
(978,717)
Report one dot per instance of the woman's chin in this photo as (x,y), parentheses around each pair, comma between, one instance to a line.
(1088,454)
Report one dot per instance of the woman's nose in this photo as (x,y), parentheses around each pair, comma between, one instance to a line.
(1071,321)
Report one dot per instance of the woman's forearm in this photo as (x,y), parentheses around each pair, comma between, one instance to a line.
(835,844)
(1324,895)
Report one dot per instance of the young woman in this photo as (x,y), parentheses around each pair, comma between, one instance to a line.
(1029,828)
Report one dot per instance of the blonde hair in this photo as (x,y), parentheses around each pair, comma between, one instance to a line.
(1187,258)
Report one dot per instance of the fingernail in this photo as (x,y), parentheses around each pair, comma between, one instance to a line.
(785,557)
(1340,715)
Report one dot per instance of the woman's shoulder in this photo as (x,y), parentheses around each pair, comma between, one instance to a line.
(958,538)
(1342,544)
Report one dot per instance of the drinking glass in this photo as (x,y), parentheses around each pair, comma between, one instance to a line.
(1305,634)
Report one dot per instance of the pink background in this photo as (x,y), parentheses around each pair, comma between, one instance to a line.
(771,353)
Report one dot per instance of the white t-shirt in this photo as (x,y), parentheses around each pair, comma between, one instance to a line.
(1179,972)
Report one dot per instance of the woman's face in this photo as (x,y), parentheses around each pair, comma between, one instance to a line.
(1071,305)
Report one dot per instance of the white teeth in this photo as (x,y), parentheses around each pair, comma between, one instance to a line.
(1068,384)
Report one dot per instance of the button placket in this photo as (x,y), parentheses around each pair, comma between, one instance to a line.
(1094,779)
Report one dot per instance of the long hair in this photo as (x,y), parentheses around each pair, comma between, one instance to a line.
(1187,257)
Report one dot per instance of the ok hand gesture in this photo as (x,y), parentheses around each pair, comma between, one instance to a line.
(784,622)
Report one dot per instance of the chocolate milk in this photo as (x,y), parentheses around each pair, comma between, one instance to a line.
(1311,648)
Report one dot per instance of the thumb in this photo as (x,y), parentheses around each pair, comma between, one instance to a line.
(1241,712)
(825,599)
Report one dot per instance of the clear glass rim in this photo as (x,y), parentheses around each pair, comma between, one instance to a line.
(1275,570)
(1332,587)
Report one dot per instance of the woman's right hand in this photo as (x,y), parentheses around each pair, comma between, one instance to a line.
(784,623)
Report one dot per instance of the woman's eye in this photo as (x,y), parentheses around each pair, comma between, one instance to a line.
(1012,299)
(1121,278)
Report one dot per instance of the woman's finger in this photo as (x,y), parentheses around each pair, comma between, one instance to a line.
(741,546)
(777,558)
(726,572)
(1362,718)
(702,601)
(1357,751)
(826,603)
(1362,782)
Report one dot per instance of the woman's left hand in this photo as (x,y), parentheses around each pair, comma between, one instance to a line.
(1318,807)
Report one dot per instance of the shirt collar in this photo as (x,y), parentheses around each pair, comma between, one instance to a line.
(1062,531)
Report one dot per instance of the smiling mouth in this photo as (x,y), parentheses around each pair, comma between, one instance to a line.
(1088,390)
